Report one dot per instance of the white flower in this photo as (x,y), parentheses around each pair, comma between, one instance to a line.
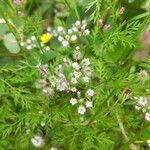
(76,66)
(84,22)
(60,38)
(47,48)
(28,41)
(73,89)
(137,107)
(142,101)
(60,29)
(89,104)
(42,44)
(42,124)
(55,33)
(73,38)
(49,29)
(90,92)
(73,80)
(143,110)
(78,94)
(65,43)
(148,142)
(70,31)
(2,21)
(33,38)
(37,141)
(85,62)
(86,79)
(100,22)
(29,47)
(28,131)
(73,101)
(81,110)
(77,48)
(22,43)
(62,86)
(77,55)
(135,98)
(87,70)
(77,23)
(77,74)
(106,26)
(67,37)
(75,29)
(147,117)
(83,27)
(86,32)
(53,148)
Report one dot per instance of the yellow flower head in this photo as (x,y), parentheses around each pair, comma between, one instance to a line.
(45,38)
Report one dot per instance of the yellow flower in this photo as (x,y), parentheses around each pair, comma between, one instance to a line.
(45,38)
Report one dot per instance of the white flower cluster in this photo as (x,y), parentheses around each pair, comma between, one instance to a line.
(78,29)
(143,105)
(37,141)
(29,43)
(78,71)
(83,103)
(148,142)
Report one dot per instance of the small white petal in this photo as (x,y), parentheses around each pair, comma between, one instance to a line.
(81,110)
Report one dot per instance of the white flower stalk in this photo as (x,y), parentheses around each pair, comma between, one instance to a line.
(73,101)
(81,110)
(142,101)
(70,31)
(90,93)
(147,116)
(67,62)
(2,21)
(43,69)
(148,142)
(76,66)
(62,86)
(41,83)
(79,94)
(60,38)
(87,71)
(37,141)
(65,43)
(48,92)
(74,29)
(77,55)
(60,29)
(137,108)
(89,104)
(73,38)
(73,89)
(53,148)
(76,74)
(73,80)
(86,79)
(77,23)
(86,32)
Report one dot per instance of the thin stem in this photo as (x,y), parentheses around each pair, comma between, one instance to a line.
(14,32)
(132,146)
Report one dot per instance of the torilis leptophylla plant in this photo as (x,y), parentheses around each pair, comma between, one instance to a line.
(66,78)
(142,105)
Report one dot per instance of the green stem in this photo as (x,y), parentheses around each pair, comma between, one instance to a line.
(13,31)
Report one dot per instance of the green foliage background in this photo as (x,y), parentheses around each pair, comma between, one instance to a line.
(111,53)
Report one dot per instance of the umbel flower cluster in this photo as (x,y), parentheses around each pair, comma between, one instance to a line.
(67,77)
(142,105)
(79,28)
(66,38)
